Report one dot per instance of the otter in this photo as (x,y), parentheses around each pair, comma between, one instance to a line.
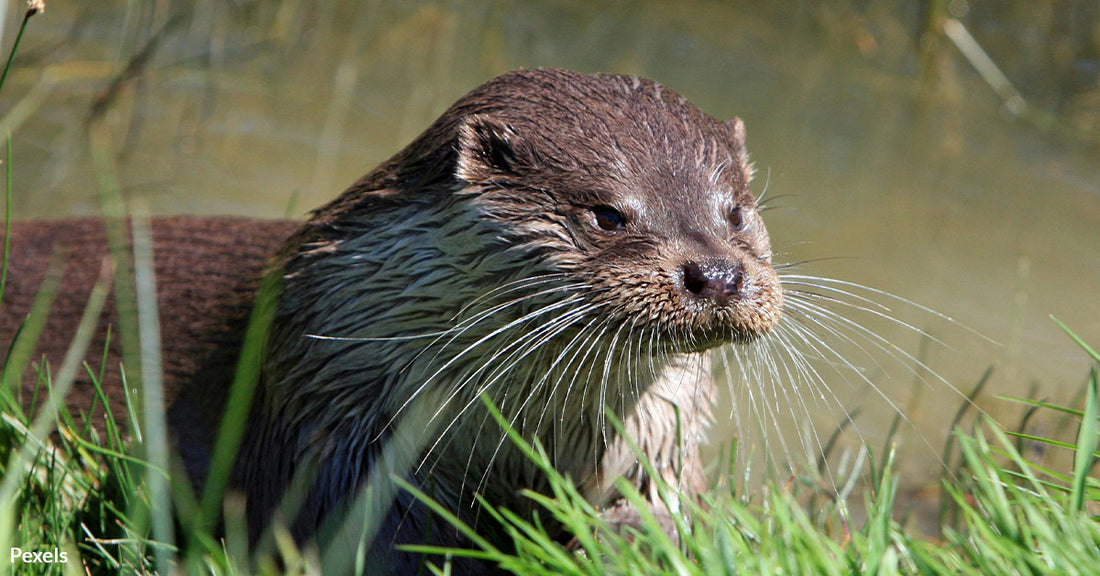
(555,243)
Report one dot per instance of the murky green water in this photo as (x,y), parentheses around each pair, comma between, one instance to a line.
(930,191)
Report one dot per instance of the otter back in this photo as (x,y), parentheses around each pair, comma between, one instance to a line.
(207,270)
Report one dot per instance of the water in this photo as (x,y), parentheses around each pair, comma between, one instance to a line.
(926,189)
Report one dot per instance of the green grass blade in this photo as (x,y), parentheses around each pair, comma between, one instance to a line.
(447,515)
(1043,440)
(1086,446)
(1084,346)
(15,46)
(1041,404)
(240,399)
(27,340)
(153,409)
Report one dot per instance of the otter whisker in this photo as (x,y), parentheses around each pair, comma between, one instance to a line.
(762,199)
(798,371)
(518,350)
(591,334)
(595,345)
(565,410)
(791,368)
(807,296)
(716,174)
(565,303)
(807,373)
(592,344)
(435,334)
(833,325)
(601,423)
(913,364)
(459,329)
(761,408)
(556,446)
(823,283)
(777,363)
(826,318)
(632,373)
(539,381)
(820,347)
(846,330)
(509,287)
(532,393)
(869,305)
(467,324)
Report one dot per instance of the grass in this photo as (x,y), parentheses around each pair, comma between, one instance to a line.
(88,495)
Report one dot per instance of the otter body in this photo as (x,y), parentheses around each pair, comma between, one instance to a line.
(207,271)
(555,242)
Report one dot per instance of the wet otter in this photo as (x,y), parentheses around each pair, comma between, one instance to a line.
(556,242)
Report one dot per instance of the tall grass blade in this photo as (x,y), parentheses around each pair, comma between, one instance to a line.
(26,341)
(118,240)
(153,409)
(1086,446)
(240,399)
(1084,346)
(14,47)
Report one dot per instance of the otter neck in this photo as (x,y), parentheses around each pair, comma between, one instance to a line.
(494,321)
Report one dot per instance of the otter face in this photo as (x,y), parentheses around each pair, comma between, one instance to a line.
(643,198)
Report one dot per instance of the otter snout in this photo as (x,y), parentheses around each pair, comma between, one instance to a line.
(719,281)
(726,300)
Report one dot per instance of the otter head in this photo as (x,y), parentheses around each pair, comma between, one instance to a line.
(626,187)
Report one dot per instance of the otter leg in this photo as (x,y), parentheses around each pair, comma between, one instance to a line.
(668,424)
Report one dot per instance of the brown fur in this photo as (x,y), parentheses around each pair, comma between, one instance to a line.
(556,241)
(206,269)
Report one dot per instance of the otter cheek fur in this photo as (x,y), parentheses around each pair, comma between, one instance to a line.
(558,242)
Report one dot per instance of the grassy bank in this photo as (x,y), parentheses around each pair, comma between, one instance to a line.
(84,494)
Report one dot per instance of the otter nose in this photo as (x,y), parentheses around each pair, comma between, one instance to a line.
(719,281)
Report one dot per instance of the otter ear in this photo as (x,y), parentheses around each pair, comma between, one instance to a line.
(736,130)
(486,148)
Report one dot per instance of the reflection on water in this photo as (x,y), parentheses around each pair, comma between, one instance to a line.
(926,189)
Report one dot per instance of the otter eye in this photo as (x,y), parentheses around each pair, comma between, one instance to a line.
(608,218)
(736,219)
